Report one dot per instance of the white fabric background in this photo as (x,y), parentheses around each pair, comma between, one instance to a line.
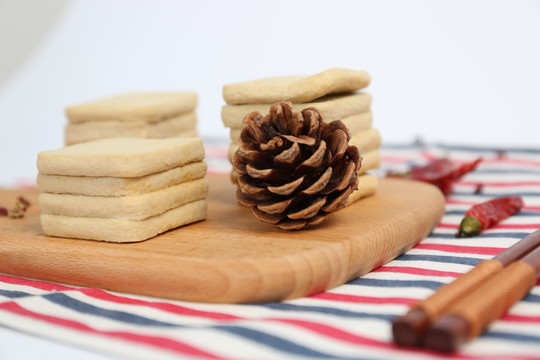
(454,71)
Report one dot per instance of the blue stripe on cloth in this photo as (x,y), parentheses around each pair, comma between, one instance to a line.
(514,235)
(440,258)
(83,307)
(123,316)
(487,195)
(532,298)
(428,284)
(12,294)
(418,147)
(512,336)
(519,214)
(328,311)
(483,149)
(281,344)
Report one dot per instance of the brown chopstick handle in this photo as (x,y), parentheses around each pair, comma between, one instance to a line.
(409,329)
(470,316)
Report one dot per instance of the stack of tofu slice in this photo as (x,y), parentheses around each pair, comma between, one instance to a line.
(122,189)
(136,115)
(334,92)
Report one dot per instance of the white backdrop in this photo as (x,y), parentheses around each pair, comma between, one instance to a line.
(457,71)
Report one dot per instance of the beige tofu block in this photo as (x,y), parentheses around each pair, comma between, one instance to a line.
(366,140)
(145,106)
(93,130)
(367,186)
(333,107)
(129,207)
(297,89)
(355,123)
(120,157)
(164,129)
(115,186)
(187,133)
(121,230)
(371,160)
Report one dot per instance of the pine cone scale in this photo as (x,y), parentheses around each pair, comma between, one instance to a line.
(268,218)
(289,158)
(315,160)
(320,184)
(337,143)
(338,202)
(249,188)
(309,211)
(286,189)
(273,208)
(302,139)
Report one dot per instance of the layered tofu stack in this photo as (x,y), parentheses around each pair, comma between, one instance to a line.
(122,189)
(135,115)
(334,92)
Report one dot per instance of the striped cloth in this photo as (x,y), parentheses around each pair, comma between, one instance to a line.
(349,322)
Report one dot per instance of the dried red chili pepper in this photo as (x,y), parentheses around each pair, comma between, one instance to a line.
(439,172)
(482,216)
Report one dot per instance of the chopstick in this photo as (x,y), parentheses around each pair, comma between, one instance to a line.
(409,330)
(470,316)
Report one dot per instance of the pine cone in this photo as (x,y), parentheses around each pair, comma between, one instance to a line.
(294,169)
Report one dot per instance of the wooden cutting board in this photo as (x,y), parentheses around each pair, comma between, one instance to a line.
(231,257)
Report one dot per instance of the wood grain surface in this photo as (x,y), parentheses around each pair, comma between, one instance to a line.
(231,257)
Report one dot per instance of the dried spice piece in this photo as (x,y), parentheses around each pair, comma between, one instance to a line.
(295,170)
(482,216)
(501,154)
(479,188)
(22,202)
(18,210)
(439,172)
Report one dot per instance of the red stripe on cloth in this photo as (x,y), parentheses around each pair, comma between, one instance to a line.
(459,202)
(217,152)
(480,250)
(104,295)
(363,299)
(511,161)
(428,156)
(396,159)
(335,333)
(521,318)
(499,183)
(498,226)
(38,284)
(415,271)
(156,341)
(470,203)
(218,171)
